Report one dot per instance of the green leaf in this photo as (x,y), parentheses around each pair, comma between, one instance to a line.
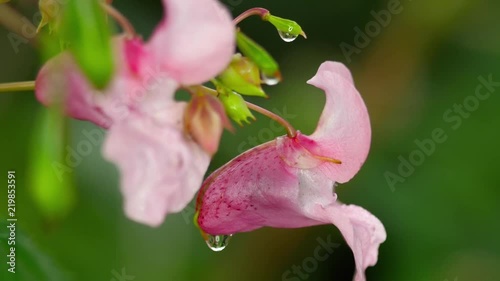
(85,27)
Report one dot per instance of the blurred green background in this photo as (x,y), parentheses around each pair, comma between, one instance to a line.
(442,220)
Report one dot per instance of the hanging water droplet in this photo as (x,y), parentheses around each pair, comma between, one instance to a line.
(268,80)
(287,36)
(217,243)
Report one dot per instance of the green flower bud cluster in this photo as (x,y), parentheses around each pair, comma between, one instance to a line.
(252,68)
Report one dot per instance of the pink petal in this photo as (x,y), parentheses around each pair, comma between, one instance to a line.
(160,169)
(343,130)
(195,41)
(362,231)
(61,82)
(260,188)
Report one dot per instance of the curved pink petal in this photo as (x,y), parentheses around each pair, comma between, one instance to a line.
(61,82)
(195,41)
(362,231)
(259,188)
(343,130)
(160,169)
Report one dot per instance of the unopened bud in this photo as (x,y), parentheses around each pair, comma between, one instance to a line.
(205,119)
(51,13)
(288,30)
(235,106)
(264,61)
(242,76)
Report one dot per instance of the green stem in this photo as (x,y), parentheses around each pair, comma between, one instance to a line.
(12,20)
(17,86)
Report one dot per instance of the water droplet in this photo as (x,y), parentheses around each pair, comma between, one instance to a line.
(286,36)
(217,243)
(271,81)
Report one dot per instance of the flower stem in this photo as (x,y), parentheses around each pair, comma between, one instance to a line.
(252,12)
(12,20)
(124,23)
(17,86)
(291,132)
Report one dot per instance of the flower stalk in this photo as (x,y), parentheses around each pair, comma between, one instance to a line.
(124,23)
(290,130)
(251,12)
(17,86)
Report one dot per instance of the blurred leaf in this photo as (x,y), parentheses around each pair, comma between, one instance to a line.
(85,27)
(51,178)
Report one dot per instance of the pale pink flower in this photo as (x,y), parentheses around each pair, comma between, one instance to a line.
(288,182)
(161,167)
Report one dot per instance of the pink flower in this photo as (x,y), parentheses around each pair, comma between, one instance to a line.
(288,182)
(161,167)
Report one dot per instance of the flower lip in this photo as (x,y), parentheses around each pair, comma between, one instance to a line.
(287,182)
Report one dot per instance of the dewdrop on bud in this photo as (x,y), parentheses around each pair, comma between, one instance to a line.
(287,29)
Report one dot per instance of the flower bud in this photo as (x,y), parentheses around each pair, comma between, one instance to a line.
(264,61)
(205,119)
(50,10)
(288,30)
(235,106)
(242,76)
